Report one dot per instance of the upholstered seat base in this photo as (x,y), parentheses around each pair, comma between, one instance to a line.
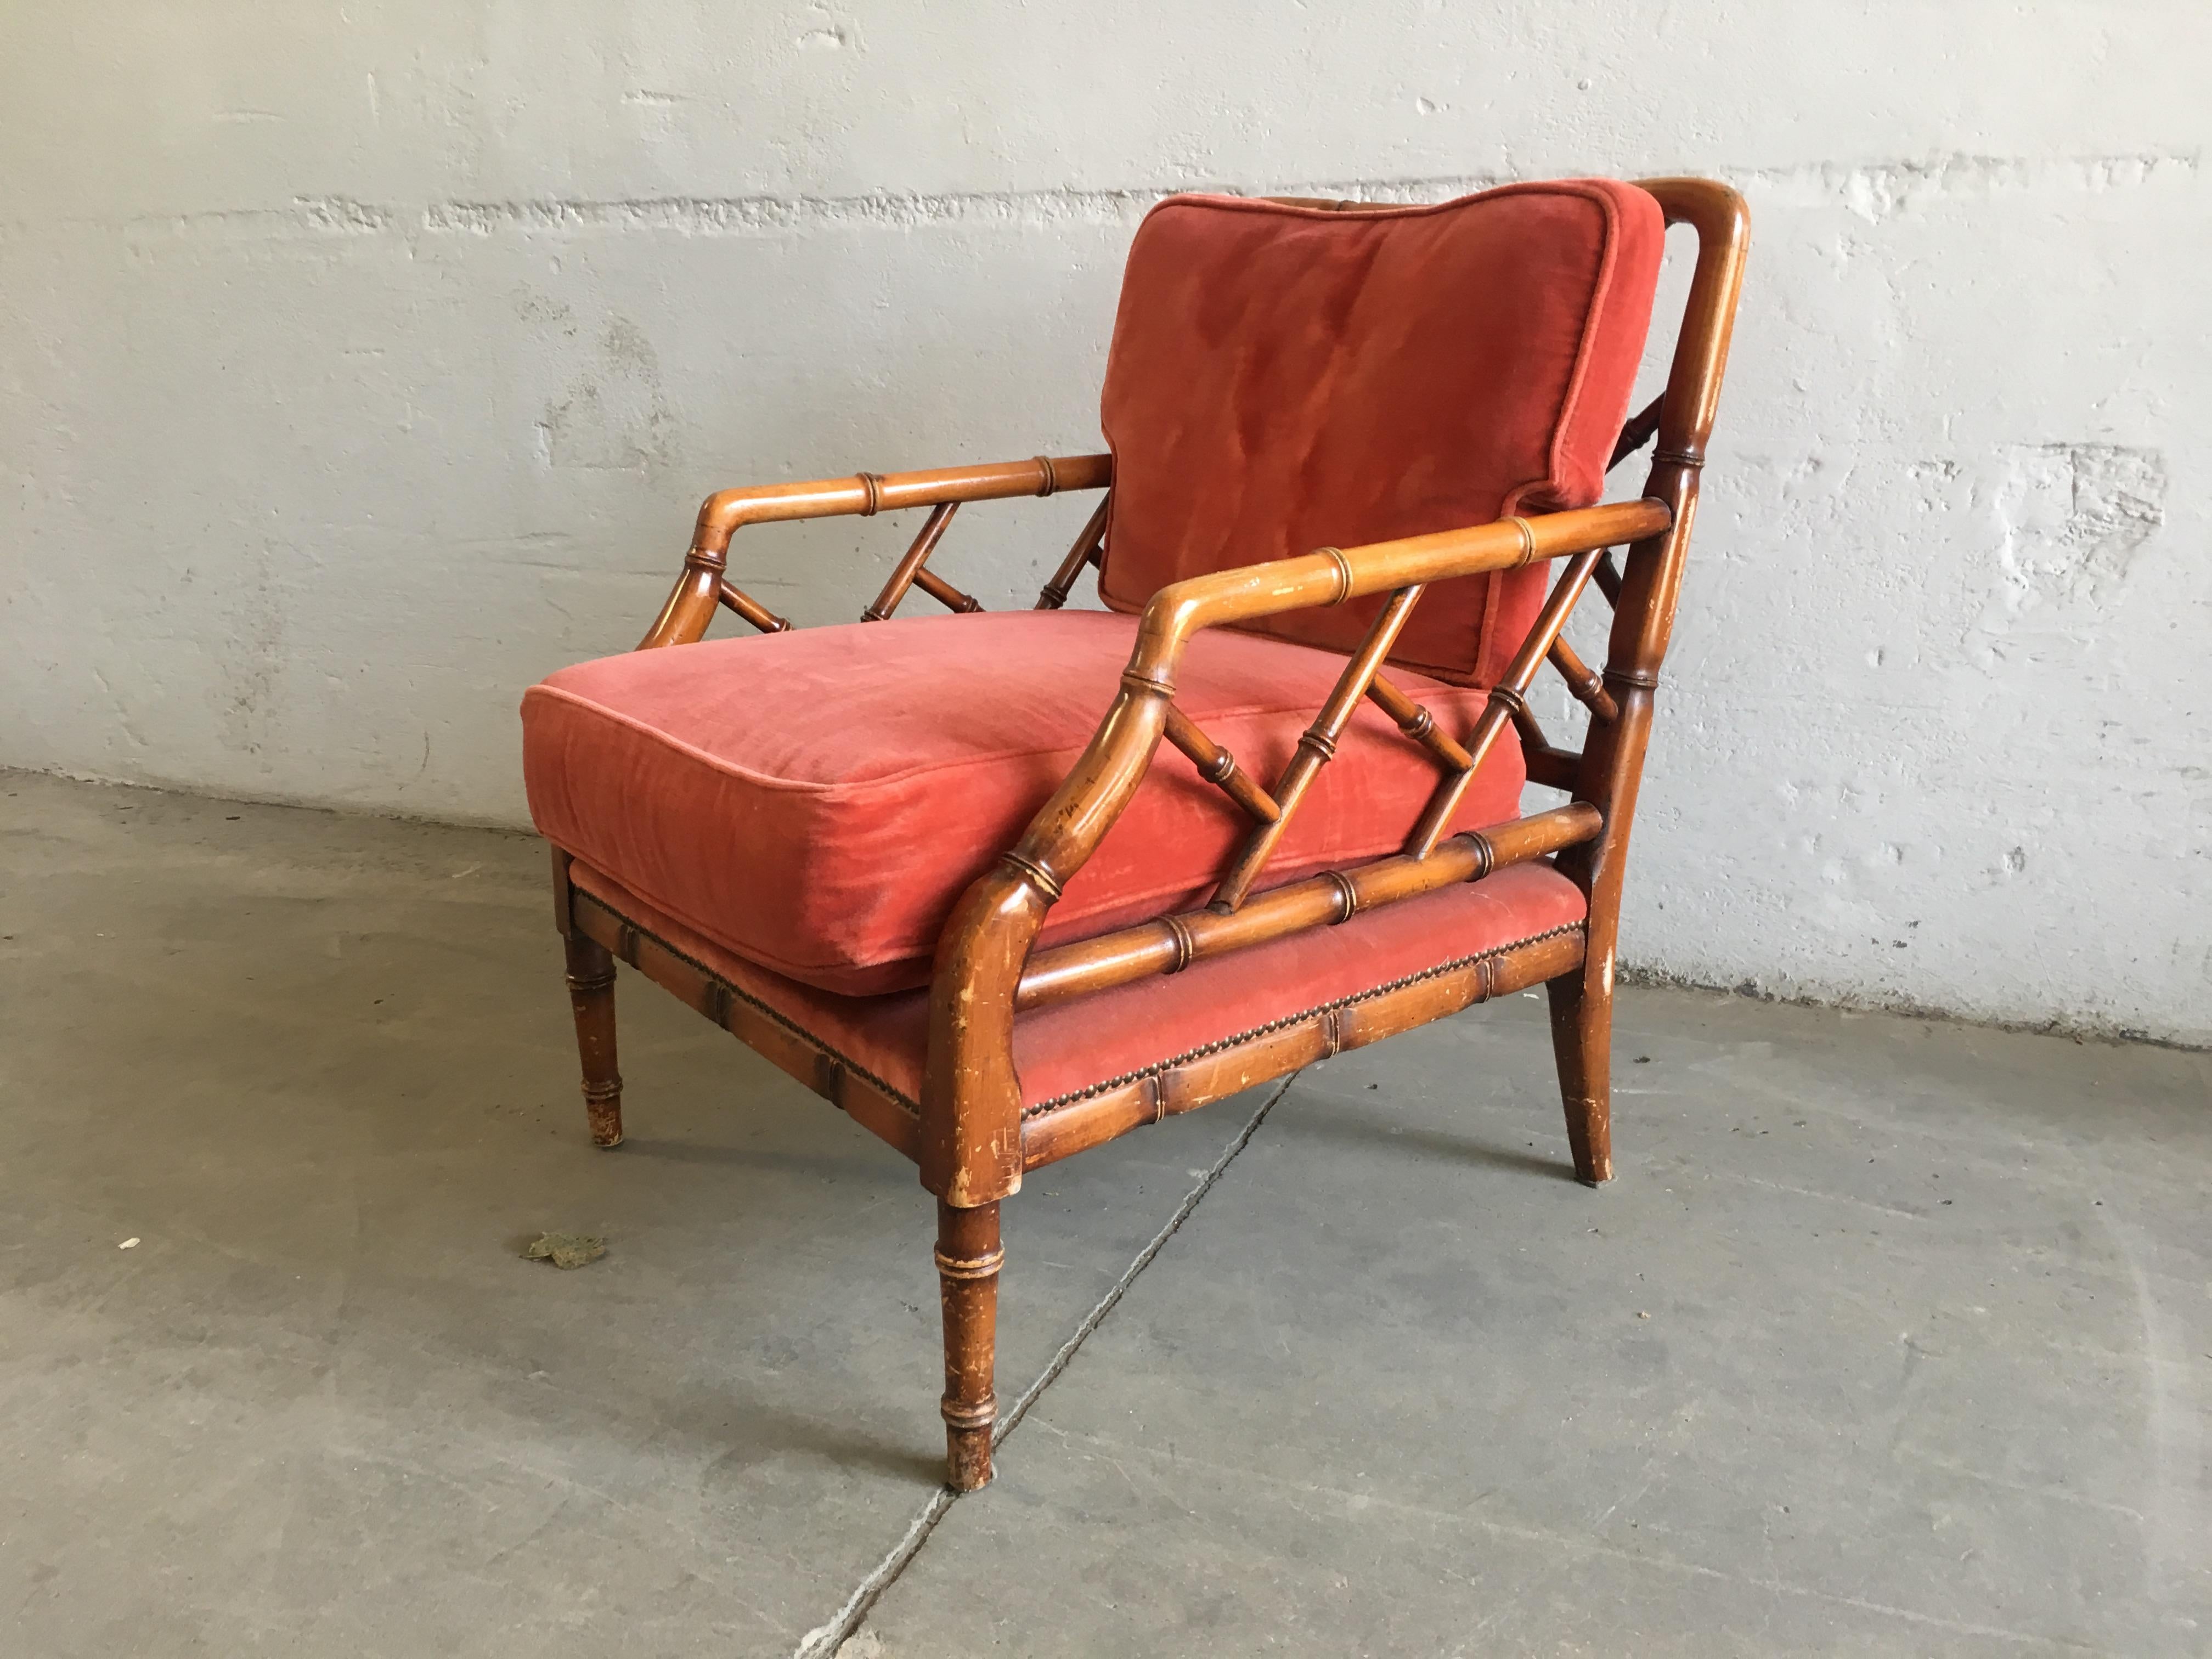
(1091,1068)
(817,801)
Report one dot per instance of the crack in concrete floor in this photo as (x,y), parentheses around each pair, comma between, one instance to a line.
(826,1638)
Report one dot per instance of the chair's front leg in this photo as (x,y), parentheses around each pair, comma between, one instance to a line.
(592,995)
(1582,1043)
(968,1258)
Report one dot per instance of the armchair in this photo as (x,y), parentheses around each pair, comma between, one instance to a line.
(1001,886)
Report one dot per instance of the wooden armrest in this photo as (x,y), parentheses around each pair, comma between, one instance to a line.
(971,1143)
(1334,575)
(701,587)
(1104,778)
(727,511)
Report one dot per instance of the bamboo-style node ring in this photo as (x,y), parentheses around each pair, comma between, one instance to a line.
(1343,574)
(1679,457)
(1224,765)
(1648,678)
(591,981)
(1051,478)
(1035,873)
(985,1265)
(1186,947)
(1145,685)
(980,1415)
(873,483)
(1528,537)
(1485,855)
(1348,896)
(719,999)
(1514,701)
(626,943)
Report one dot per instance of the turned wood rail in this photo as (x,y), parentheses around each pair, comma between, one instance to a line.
(1170,943)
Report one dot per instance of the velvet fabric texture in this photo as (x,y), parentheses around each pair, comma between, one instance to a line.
(1282,379)
(817,801)
(1066,1052)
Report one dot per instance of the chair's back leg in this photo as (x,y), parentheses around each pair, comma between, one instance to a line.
(1643,619)
(968,1258)
(592,994)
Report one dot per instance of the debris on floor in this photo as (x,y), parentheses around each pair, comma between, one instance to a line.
(566,1249)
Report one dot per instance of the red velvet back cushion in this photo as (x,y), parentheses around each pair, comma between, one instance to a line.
(1287,378)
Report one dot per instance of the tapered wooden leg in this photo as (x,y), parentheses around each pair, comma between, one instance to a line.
(592,994)
(968,1257)
(1581,1040)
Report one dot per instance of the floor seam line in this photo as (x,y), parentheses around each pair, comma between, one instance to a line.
(824,1639)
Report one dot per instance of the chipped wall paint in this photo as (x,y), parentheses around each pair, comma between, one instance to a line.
(356,371)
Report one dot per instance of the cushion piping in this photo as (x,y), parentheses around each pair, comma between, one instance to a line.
(993,758)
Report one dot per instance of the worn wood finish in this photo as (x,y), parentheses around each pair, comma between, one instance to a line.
(968,1256)
(969,1133)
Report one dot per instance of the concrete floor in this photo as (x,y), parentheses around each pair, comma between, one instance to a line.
(1892,1337)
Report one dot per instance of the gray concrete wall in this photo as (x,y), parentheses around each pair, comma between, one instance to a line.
(357,369)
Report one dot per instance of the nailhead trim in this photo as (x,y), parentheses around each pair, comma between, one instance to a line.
(1216,1047)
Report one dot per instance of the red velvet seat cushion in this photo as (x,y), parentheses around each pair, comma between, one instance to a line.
(1287,378)
(817,801)
(1064,1052)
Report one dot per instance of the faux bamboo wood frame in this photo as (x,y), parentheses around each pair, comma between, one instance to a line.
(971,1138)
